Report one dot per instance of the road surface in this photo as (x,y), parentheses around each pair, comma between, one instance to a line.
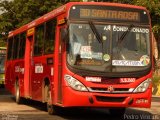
(32,110)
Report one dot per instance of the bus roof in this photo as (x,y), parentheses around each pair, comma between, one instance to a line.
(106,4)
(63,9)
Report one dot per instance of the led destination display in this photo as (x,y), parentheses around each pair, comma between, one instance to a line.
(108,13)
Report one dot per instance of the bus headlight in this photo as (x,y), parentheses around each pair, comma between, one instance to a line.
(143,86)
(74,83)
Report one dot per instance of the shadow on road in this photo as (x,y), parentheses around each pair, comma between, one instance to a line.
(103,114)
(91,113)
(3,91)
(76,113)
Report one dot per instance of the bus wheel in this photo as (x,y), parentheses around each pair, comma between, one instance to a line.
(50,108)
(117,111)
(17,95)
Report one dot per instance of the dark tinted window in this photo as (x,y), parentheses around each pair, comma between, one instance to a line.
(9,52)
(22,45)
(38,43)
(15,47)
(49,36)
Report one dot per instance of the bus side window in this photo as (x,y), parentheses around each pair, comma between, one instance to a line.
(15,46)
(49,36)
(142,45)
(22,45)
(38,43)
(10,45)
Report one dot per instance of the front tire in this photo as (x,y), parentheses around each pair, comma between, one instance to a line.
(52,110)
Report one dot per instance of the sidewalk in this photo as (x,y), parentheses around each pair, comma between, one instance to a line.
(155,98)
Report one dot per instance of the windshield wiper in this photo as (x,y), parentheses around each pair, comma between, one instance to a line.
(124,34)
(93,28)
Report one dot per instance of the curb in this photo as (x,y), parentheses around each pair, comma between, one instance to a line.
(155,99)
(155,96)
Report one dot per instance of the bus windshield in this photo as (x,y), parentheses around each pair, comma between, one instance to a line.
(109,47)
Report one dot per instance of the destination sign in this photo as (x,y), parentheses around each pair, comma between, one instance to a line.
(108,13)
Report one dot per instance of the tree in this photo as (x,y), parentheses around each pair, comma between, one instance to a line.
(154,7)
(19,12)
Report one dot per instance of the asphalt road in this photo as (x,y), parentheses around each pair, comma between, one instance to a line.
(32,110)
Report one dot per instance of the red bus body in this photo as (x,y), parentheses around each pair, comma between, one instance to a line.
(31,72)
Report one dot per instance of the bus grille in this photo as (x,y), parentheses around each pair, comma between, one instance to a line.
(110,99)
(105,90)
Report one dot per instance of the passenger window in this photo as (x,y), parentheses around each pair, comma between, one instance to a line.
(10,45)
(38,43)
(49,36)
(141,43)
(15,47)
(22,45)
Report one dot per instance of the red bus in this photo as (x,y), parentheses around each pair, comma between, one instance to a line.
(83,54)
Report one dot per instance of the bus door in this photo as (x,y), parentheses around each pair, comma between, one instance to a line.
(60,47)
(28,61)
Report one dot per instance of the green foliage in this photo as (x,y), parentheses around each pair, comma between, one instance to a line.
(156,80)
(154,7)
(19,12)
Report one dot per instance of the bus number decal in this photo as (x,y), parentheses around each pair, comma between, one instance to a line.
(127,80)
(38,69)
(18,69)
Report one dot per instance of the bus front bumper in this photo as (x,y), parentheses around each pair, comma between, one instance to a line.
(73,98)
